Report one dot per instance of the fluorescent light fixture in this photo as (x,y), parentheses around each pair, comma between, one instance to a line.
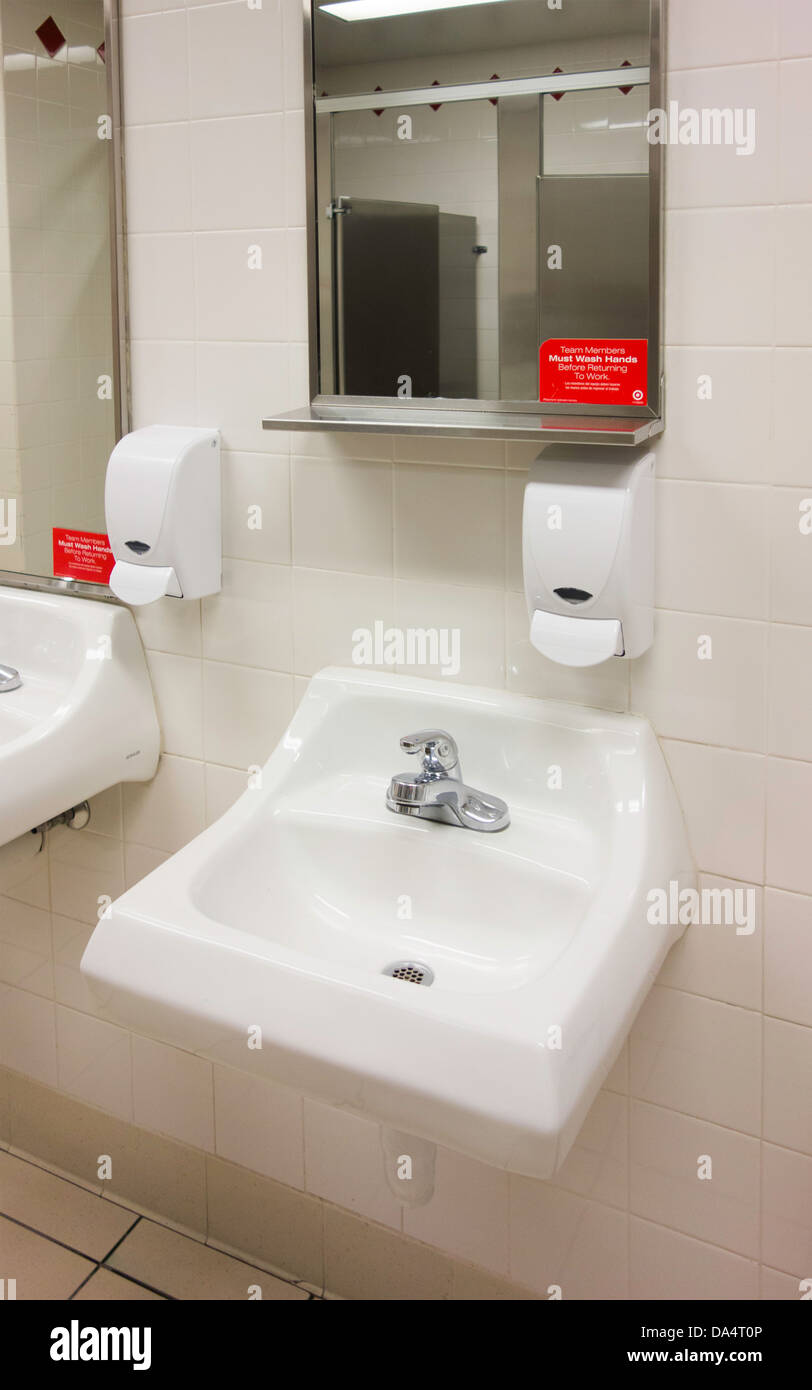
(387,9)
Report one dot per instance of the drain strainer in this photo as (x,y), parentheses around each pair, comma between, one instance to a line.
(412,970)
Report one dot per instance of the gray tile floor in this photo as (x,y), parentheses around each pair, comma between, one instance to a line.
(60,1241)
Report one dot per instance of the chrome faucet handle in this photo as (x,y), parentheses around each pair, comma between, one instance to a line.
(436,748)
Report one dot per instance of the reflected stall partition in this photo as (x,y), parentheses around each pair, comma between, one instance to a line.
(484,219)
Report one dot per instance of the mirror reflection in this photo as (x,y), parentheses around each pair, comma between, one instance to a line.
(470,220)
(59,348)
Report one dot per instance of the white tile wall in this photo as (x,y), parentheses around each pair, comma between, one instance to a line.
(344,1163)
(667,1264)
(719,286)
(788,956)
(214,164)
(259,1126)
(706,33)
(723,962)
(173,1093)
(706,176)
(93,1062)
(787,1215)
(703,678)
(698,1056)
(697,1178)
(787,1078)
(559,1239)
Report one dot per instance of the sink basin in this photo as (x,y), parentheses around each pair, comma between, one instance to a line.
(286,914)
(83,717)
(485,917)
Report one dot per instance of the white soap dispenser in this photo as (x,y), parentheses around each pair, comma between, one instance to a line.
(162,503)
(588,543)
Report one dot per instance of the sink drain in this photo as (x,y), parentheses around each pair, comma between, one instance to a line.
(412,970)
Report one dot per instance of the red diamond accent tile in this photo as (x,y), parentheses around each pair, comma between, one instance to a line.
(435,105)
(50,36)
(494,100)
(378,111)
(101,50)
(625,90)
(556,96)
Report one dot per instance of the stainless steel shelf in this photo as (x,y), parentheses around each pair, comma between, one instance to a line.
(468,424)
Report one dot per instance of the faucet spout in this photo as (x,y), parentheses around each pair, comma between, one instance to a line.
(475,810)
(438,792)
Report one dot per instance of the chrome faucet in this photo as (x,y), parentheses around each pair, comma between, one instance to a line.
(9,678)
(438,792)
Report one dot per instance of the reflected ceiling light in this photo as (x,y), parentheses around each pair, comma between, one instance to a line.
(387,9)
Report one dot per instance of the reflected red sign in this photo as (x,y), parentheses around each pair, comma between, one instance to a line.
(82,555)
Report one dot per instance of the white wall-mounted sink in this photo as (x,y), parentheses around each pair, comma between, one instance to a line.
(83,717)
(283,915)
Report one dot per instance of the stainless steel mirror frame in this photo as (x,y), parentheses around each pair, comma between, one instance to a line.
(375,411)
(119,302)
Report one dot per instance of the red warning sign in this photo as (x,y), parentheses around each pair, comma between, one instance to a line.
(82,555)
(594,371)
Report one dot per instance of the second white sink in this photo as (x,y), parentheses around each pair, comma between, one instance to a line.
(83,717)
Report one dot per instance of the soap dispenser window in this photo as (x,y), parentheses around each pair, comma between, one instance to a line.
(573,595)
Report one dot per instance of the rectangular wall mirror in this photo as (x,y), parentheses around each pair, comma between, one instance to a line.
(64,401)
(485,215)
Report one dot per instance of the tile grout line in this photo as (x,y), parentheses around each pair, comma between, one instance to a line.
(85,1281)
(121,1239)
(202,1242)
(54,1240)
(140,1283)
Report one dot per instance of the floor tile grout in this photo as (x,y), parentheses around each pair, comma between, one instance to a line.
(101,1263)
(141,1283)
(117,1243)
(86,1280)
(54,1240)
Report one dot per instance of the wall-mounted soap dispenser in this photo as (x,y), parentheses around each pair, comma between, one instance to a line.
(162,502)
(589,553)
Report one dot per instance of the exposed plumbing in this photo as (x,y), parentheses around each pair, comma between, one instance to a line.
(77,818)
